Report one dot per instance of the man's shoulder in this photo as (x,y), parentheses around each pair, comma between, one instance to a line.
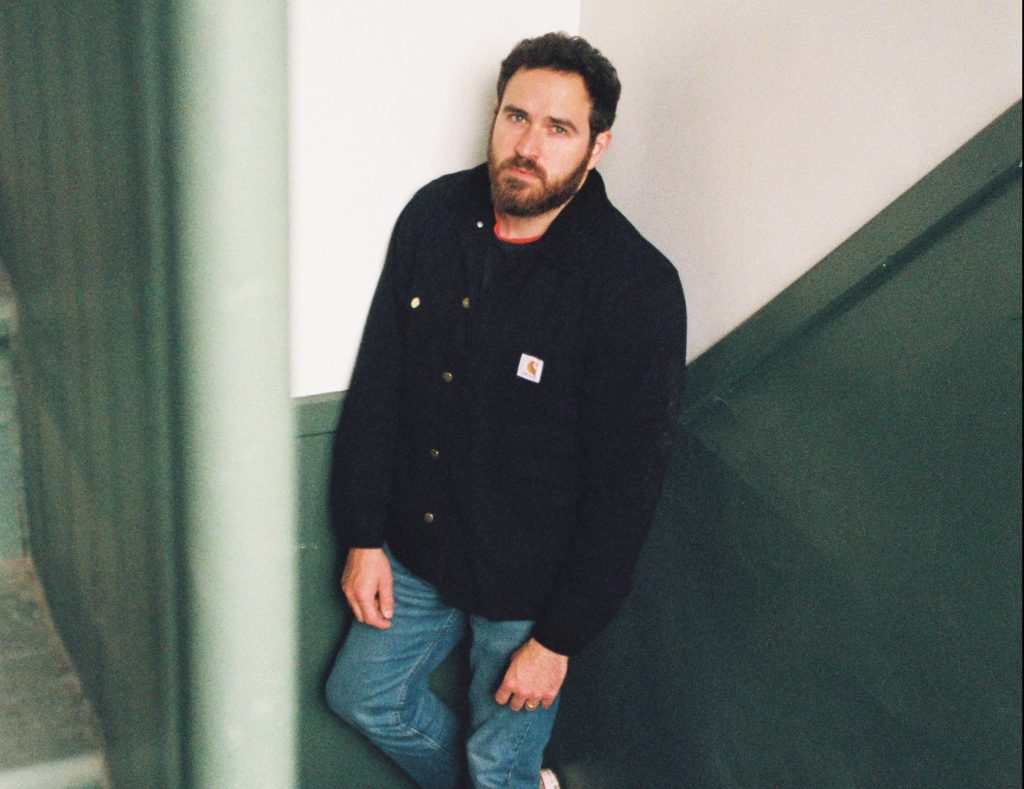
(452,190)
(627,252)
(597,225)
(632,283)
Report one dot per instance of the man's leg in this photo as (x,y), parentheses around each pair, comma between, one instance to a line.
(505,748)
(379,684)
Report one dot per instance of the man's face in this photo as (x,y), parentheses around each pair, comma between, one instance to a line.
(540,150)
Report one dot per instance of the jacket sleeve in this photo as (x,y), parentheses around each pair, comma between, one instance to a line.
(365,441)
(633,378)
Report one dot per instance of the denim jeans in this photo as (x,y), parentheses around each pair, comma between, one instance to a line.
(379,685)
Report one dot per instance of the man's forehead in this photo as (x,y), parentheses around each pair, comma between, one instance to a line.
(547,85)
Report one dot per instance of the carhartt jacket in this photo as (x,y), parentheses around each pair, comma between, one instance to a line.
(509,446)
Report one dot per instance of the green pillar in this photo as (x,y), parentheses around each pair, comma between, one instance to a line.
(229,106)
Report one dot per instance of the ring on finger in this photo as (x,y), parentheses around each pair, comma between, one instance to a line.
(530,706)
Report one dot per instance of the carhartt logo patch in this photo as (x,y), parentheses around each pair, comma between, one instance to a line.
(530,368)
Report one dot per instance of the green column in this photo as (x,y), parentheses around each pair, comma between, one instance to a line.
(229,106)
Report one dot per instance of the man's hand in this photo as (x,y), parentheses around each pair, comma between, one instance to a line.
(534,677)
(368,586)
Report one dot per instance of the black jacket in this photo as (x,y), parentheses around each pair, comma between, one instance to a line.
(517,498)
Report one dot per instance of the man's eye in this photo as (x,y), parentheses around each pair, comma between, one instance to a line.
(517,117)
(560,130)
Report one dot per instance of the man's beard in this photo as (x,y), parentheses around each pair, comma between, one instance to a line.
(521,198)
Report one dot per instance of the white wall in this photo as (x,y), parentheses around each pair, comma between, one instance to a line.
(385,96)
(754,137)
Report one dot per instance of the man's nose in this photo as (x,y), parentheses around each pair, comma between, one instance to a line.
(529,143)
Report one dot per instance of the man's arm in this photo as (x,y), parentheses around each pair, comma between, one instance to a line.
(366,439)
(365,443)
(632,387)
(631,399)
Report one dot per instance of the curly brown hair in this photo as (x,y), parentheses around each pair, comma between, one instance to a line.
(571,55)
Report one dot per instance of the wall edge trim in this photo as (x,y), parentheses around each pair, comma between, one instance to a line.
(985,162)
(317,414)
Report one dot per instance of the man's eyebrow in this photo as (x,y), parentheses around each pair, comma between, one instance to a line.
(563,122)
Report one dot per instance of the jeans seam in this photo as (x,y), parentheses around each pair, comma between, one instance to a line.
(402,696)
(518,748)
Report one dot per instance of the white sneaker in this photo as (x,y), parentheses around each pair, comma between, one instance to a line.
(548,779)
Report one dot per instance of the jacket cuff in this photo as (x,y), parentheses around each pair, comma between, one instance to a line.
(357,533)
(369,543)
(568,627)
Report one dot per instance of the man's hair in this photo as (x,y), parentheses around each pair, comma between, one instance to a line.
(570,55)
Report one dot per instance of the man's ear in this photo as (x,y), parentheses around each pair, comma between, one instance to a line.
(601,143)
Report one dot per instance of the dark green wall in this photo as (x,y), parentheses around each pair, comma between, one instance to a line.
(12,520)
(831,594)
(81,217)
(331,755)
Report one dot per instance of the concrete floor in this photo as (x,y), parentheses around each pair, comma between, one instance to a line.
(48,734)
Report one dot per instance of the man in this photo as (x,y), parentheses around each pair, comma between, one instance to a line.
(502,444)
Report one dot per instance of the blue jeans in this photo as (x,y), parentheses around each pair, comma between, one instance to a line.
(379,685)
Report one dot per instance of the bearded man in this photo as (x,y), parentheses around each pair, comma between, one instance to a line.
(502,445)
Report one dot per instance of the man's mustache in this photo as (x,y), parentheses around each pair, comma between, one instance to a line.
(521,163)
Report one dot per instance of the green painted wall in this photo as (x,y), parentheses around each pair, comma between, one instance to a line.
(331,755)
(12,536)
(12,520)
(77,205)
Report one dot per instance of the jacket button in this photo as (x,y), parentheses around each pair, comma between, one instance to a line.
(415,302)
(447,377)
(435,454)
(465,303)
(428,517)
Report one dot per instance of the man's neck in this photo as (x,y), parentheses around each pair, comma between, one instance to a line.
(515,228)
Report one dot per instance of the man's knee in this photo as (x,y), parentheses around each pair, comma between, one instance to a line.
(339,696)
(350,700)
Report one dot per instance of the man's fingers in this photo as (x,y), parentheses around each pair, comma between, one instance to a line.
(371,613)
(377,621)
(354,605)
(517,702)
(364,609)
(523,703)
(503,695)
(387,598)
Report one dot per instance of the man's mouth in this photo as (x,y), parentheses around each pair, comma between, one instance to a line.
(521,171)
